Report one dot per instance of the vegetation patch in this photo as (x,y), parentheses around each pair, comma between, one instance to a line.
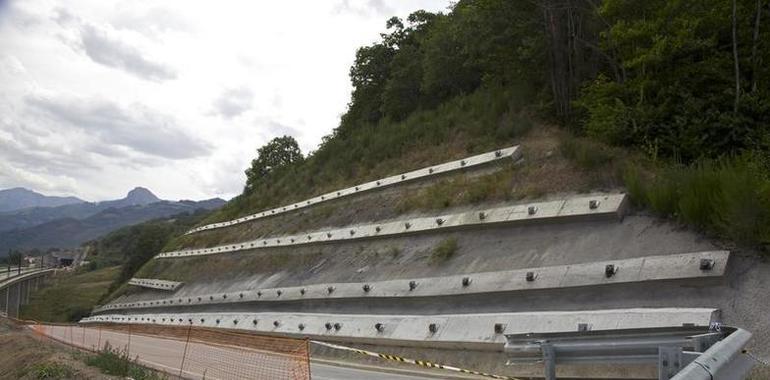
(115,362)
(729,197)
(444,250)
(51,370)
(69,296)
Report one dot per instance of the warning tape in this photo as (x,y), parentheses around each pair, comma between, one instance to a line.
(423,363)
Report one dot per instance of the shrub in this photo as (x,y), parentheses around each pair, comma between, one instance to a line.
(444,251)
(394,252)
(116,362)
(585,153)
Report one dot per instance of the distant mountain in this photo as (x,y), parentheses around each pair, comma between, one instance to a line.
(137,196)
(68,232)
(29,217)
(20,198)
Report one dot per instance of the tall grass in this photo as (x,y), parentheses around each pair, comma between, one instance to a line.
(729,197)
(51,370)
(115,362)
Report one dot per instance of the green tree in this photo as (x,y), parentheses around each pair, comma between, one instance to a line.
(402,94)
(679,97)
(277,154)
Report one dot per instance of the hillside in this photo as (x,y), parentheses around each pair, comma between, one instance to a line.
(641,199)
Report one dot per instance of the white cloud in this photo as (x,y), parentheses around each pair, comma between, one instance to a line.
(233,102)
(136,127)
(174,96)
(111,51)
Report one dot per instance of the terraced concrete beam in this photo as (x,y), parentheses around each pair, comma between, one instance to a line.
(471,331)
(583,207)
(155,284)
(682,266)
(512,153)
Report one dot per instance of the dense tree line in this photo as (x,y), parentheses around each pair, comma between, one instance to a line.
(681,78)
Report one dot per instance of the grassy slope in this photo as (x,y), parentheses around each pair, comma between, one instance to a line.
(466,125)
(69,296)
(554,163)
(545,170)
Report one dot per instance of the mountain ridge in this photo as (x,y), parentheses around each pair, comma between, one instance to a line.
(17,198)
(72,224)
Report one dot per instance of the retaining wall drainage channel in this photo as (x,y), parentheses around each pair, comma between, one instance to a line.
(584,207)
(513,153)
(473,331)
(155,284)
(708,264)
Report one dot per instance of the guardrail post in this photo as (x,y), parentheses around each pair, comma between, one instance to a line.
(549,360)
(669,361)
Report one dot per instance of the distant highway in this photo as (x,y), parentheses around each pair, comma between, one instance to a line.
(14,272)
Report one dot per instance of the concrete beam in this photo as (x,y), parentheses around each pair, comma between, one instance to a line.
(512,153)
(591,207)
(468,331)
(635,270)
(155,284)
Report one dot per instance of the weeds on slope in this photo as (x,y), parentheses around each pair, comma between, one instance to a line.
(444,250)
(729,197)
(51,370)
(478,122)
(116,362)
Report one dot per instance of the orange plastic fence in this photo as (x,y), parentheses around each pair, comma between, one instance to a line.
(193,353)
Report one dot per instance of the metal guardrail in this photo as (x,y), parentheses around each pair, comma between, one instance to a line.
(682,353)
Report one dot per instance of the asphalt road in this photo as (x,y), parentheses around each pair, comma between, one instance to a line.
(210,361)
(330,372)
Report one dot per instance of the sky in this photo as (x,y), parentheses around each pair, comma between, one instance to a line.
(98,97)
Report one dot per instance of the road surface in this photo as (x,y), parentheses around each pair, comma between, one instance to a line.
(210,361)
(330,372)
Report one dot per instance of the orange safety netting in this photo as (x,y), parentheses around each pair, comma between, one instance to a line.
(193,353)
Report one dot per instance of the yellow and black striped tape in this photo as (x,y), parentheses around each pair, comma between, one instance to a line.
(423,363)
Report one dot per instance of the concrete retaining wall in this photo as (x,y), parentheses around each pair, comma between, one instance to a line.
(635,270)
(513,153)
(583,207)
(155,284)
(467,331)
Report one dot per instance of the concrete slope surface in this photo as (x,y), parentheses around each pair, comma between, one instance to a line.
(466,281)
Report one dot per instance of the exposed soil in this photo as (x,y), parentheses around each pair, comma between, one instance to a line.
(22,354)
